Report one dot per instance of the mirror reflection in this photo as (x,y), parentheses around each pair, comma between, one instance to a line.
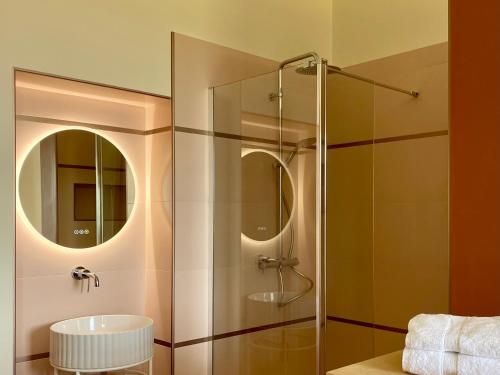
(76,188)
(261,204)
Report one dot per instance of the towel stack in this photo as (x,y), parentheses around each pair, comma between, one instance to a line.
(452,345)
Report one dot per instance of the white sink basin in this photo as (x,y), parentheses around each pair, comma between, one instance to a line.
(102,342)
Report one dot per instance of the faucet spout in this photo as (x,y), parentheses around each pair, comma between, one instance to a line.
(95,277)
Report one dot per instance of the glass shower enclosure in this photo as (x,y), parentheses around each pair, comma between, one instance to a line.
(283,285)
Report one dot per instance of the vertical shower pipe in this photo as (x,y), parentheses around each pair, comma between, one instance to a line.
(321,148)
(321,66)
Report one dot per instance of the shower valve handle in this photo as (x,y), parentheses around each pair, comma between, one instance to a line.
(264,262)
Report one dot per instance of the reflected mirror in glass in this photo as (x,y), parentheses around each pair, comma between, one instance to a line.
(76,188)
(261,203)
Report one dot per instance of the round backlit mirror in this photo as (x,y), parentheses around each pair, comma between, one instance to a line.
(261,201)
(76,188)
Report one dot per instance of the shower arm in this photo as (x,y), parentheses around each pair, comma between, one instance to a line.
(304,56)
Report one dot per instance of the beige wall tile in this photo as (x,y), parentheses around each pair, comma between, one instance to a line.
(192,304)
(158,112)
(425,70)
(162,360)
(411,229)
(287,351)
(211,65)
(227,109)
(299,96)
(388,342)
(193,228)
(350,109)
(391,68)
(158,242)
(347,344)
(227,172)
(42,301)
(398,114)
(159,166)
(228,357)
(192,360)
(38,367)
(36,256)
(158,298)
(192,167)
(350,233)
(192,262)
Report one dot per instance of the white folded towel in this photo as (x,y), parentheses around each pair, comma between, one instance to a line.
(448,333)
(425,362)
(480,337)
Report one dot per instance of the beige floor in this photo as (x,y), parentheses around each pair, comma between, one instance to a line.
(384,365)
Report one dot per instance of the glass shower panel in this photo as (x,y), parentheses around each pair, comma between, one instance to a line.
(264,237)
(349,187)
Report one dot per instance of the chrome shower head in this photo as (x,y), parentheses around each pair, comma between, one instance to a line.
(309,69)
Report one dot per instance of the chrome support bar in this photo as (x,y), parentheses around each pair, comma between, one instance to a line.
(335,70)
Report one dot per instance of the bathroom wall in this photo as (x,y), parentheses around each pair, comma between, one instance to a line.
(129,265)
(388,212)
(364,30)
(475,151)
(127,44)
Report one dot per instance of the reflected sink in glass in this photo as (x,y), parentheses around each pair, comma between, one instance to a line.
(263,308)
(101,342)
(270,297)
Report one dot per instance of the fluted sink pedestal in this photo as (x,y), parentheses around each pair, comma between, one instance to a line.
(101,343)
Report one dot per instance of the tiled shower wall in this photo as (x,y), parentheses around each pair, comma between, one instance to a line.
(388,178)
(134,266)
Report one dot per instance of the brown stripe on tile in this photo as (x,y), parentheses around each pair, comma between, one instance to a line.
(350,144)
(158,130)
(162,343)
(367,324)
(32,357)
(91,167)
(232,136)
(263,328)
(412,136)
(193,131)
(111,128)
(193,342)
(252,139)
(389,139)
(245,331)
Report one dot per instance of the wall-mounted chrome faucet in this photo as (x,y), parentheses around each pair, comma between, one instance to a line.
(81,273)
